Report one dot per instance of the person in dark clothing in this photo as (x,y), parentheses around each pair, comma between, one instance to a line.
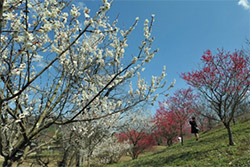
(194,128)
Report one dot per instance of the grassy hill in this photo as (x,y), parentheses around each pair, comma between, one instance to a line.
(211,150)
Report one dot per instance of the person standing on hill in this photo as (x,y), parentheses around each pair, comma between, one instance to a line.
(194,128)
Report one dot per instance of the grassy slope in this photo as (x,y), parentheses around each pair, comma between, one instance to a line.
(211,150)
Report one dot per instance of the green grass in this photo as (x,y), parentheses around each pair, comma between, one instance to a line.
(211,150)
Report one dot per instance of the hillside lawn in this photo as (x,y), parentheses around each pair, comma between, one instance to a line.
(211,150)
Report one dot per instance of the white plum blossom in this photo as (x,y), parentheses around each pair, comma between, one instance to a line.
(16,72)
(58,67)
(134,60)
(22,66)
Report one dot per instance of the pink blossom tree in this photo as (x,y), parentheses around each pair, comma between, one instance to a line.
(177,111)
(139,141)
(166,126)
(224,80)
(136,129)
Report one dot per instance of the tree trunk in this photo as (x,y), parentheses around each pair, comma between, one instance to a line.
(77,159)
(1,16)
(169,142)
(7,162)
(81,158)
(182,141)
(234,122)
(88,161)
(133,154)
(63,162)
(230,136)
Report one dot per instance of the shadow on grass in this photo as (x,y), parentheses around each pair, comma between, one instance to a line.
(159,160)
(187,155)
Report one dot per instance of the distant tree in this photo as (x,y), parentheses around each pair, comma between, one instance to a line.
(110,150)
(138,140)
(166,126)
(223,79)
(243,108)
(206,118)
(80,140)
(137,130)
(178,110)
(79,143)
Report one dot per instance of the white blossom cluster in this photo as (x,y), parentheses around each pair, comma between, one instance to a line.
(110,150)
(61,64)
(93,139)
(139,120)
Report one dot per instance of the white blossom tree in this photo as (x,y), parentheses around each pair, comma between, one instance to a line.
(137,128)
(110,151)
(60,65)
(83,139)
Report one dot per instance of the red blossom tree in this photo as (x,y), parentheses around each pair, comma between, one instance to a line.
(223,79)
(166,126)
(139,141)
(175,114)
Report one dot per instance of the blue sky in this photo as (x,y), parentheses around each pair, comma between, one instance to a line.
(183,30)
